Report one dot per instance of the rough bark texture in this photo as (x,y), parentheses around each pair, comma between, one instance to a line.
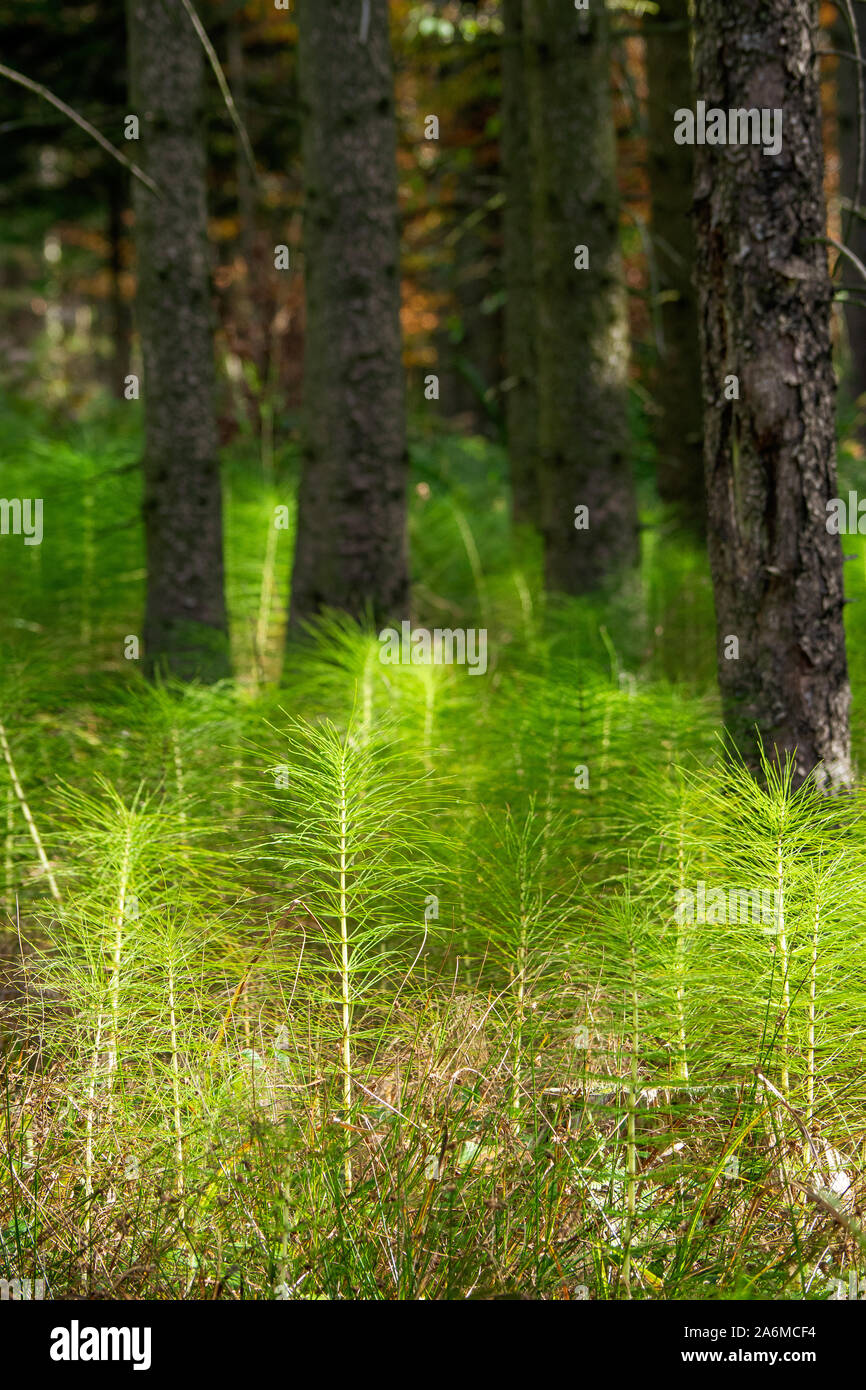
(521,403)
(185,623)
(850,81)
(582,333)
(678,428)
(765,303)
(351,546)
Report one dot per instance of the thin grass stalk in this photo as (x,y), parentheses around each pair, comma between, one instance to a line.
(179,776)
(518,1036)
(810,1042)
(344,969)
(266,599)
(682,1072)
(237,786)
(782,940)
(464,918)
(175,1086)
(605,742)
(474,561)
(8,843)
(25,811)
(116,961)
(631,1134)
(88,1142)
(549,790)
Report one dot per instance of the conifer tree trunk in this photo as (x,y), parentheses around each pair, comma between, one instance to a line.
(582,332)
(678,428)
(351,550)
(521,403)
(185,622)
(765,301)
(851,83)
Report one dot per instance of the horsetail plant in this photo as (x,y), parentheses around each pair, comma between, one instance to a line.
(349,830)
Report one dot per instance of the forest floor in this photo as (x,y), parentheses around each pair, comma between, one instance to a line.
(354,979)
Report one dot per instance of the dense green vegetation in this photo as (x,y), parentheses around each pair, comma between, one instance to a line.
(551,1083)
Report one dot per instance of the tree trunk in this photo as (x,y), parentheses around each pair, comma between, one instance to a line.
(582,331)
(850,83)
(351,550)
(521,402)
(765,300)
(678,428)
(185,624)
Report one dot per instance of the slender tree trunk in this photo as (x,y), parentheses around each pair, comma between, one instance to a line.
(521,402)
(678,427)
(851,82)
(351,550)
(765,300)
(582,331)
(185,624)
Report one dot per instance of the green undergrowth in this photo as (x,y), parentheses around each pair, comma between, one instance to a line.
(349,979)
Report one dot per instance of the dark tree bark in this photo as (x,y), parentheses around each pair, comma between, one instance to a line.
(185,624)
(582,331)
(351,550)
(851,81)
(678,428)
(521,402)
(765,300)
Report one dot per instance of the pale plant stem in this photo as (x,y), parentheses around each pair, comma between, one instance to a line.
(525,603)
(25,811)
(175,1085)
(813,991)
(548,797)
(7,850)
(88,1144)
(522,954)
(179,778)
(266,599)
(784,964)
(518,1037)
(461,892)
(344,967)
(31,86)
(631,1139)
(474,562)
(223,85)
(605,744)
(116,960)
(682,1074)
